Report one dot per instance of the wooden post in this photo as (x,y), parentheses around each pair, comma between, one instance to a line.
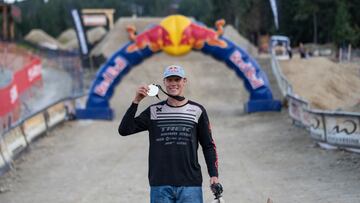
(111,19)
(4,22)
(12,29)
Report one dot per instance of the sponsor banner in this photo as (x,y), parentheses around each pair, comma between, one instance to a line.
(296,109)
(23,80)
(275,13)
(343,130)
(57,114)
(177,35)
(9,98)
(15,141)
(316,126)
(247,68)
(109,75)
(94,20)
(34,127)
(80,32)
(28,75)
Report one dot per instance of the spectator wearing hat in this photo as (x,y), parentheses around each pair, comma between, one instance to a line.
(176,127)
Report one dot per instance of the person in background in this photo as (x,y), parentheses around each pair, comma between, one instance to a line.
(302,50)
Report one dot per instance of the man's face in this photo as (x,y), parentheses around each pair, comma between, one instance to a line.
(175,85)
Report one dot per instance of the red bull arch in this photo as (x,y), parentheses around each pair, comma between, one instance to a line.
(177,35)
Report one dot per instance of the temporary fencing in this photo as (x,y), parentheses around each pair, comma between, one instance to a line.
(68,62)
(330,129)
(20,71)
(44,99)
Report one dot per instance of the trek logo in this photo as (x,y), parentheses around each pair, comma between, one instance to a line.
(176,129)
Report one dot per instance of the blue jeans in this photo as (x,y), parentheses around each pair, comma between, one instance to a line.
(171,194)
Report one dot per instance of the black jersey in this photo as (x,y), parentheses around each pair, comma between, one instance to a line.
(174,134)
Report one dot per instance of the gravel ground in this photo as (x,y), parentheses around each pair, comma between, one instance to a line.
(261,155)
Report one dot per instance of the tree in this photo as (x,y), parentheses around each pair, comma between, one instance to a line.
(308,9)
(343,32)
(200,10)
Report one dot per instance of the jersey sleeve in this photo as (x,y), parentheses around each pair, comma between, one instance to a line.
(131,124)
(208,145)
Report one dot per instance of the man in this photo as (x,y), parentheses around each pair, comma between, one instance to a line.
(176,127)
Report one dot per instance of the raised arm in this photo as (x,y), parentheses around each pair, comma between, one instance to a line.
(131,124)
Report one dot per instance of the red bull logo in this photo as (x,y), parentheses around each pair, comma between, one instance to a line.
(196,35)
(155,38)
(110,75)
(247,69)
(176,35)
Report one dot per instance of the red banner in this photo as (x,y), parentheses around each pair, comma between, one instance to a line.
(28,75)
(23,80)
(9,98)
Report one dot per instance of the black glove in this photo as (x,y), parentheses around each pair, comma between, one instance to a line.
(217,189)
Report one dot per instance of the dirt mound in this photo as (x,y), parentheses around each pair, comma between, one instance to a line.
(67,36)
(95,34)
(41,38)
(325,84)
(355,108)
(72,44)
(118,35)
(232,34)
(67,40)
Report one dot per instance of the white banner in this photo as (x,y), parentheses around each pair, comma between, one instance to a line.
(94,20)
(275,13)
(80,32)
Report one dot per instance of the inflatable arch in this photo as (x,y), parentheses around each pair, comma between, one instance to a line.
(177,35)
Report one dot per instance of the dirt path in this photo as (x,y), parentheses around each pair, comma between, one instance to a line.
(261,155)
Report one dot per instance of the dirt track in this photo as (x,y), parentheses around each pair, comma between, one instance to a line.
(261,155)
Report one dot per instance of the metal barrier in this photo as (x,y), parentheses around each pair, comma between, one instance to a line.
(19,137)
(282,81)
(330,129)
